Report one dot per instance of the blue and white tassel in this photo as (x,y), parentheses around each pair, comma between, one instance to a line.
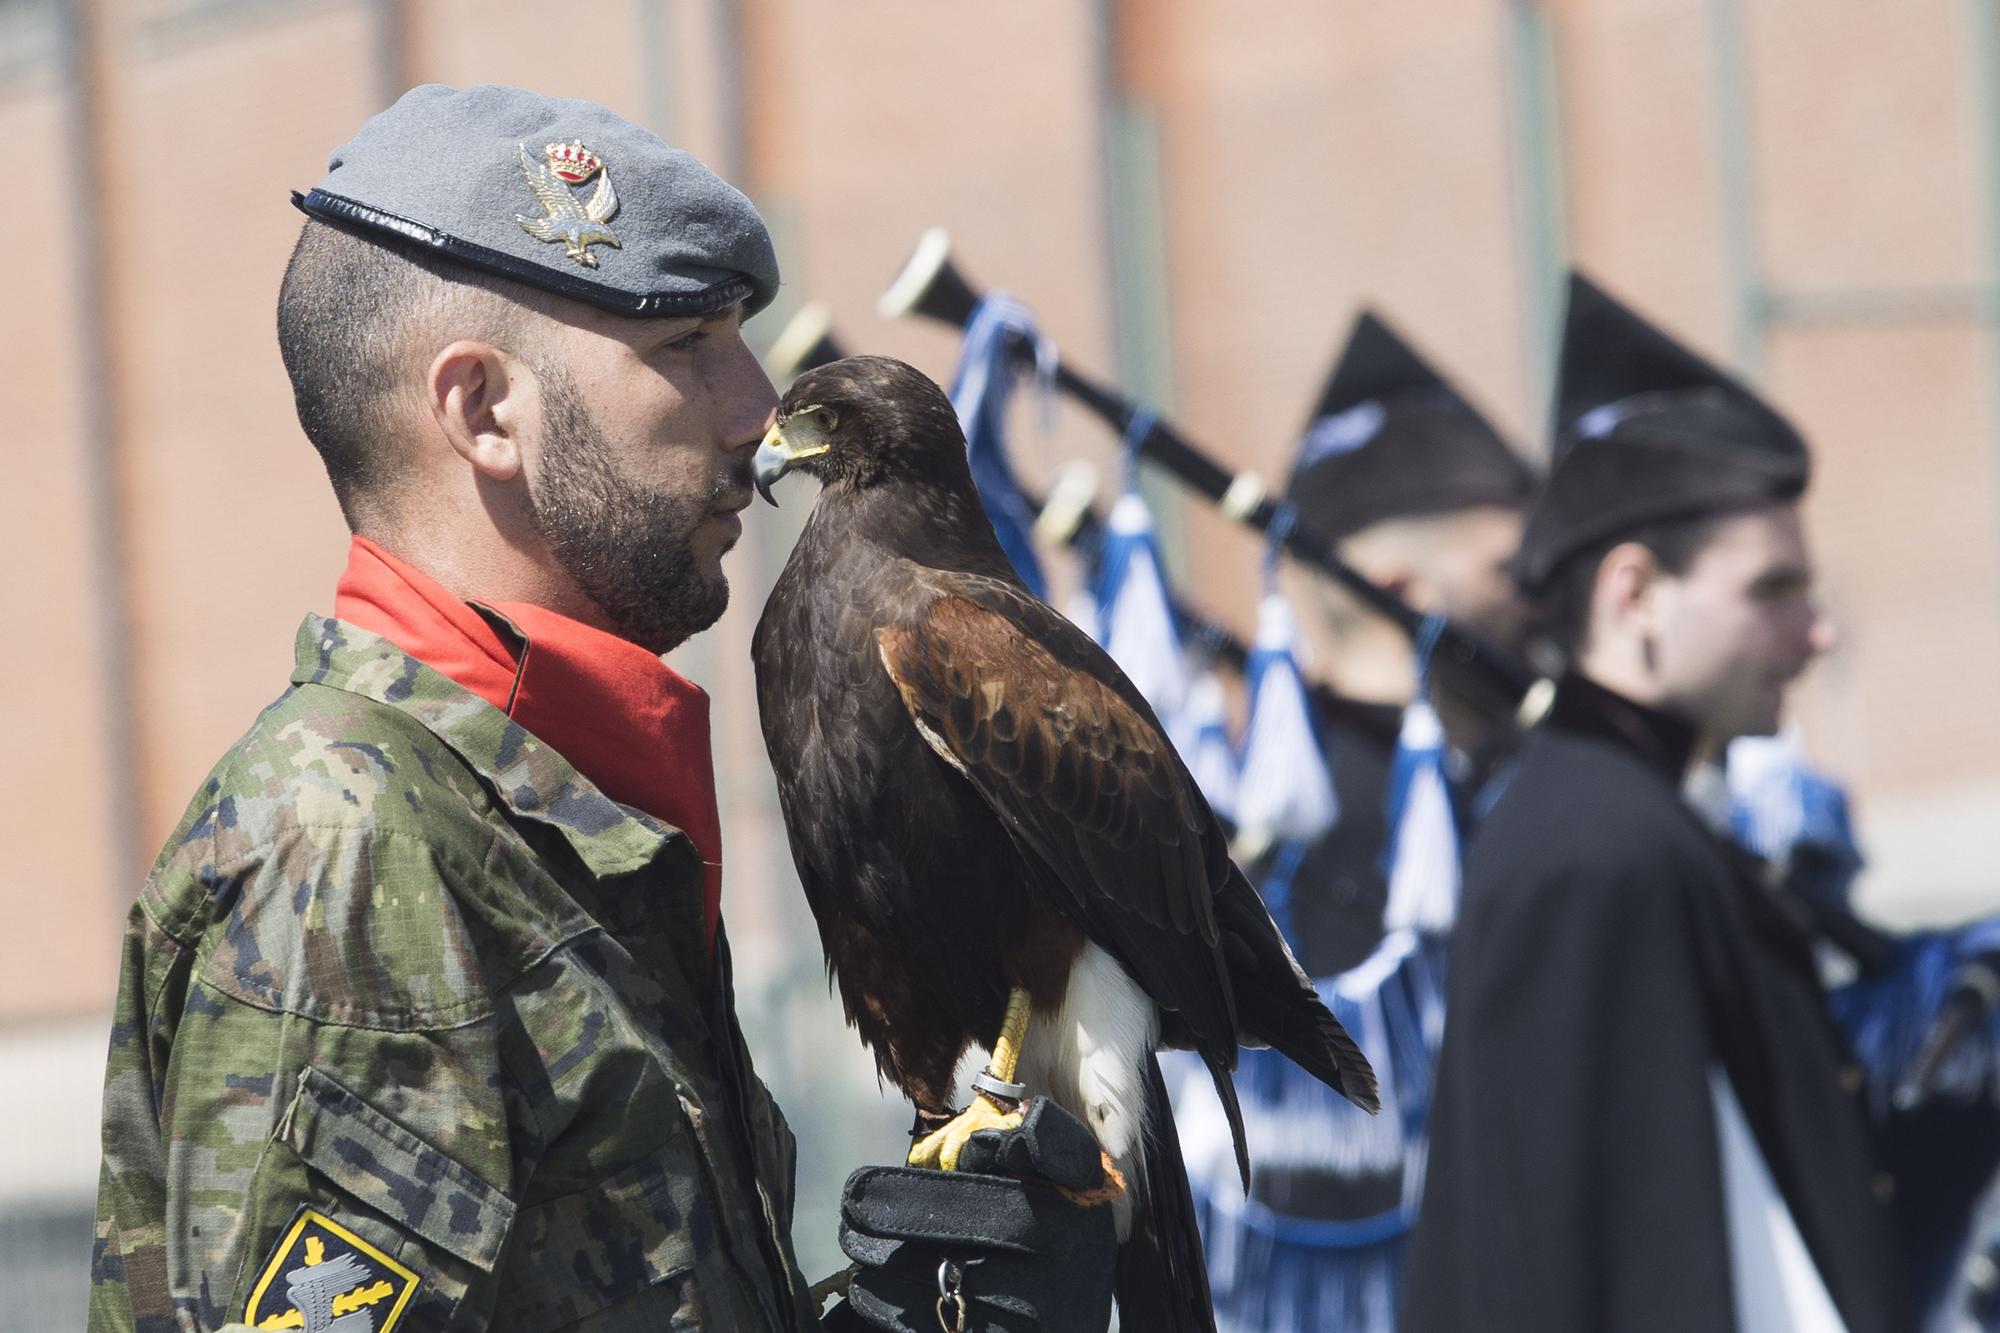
(979,394)
(1889,1017)
(1199,730)
(1270,1269)
(1285,791)
(1135,614)
(1777,802)
(1780,804)
(1423,852)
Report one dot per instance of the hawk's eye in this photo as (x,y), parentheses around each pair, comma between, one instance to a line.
(826,418)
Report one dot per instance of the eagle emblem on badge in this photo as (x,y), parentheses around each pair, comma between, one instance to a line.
(577,224)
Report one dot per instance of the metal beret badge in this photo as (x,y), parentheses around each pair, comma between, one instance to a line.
(576,224)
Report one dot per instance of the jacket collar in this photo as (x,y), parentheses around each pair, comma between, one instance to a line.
(1663,741)
(527,777)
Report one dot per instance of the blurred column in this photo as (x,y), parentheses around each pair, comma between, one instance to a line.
(1736,174)
(1535,130)
(1135,241)
(395,47)
(656,67)
(1983,22)
(1134,230)
(732,153)
(87,61)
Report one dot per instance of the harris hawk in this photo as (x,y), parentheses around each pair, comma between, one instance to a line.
(996,839)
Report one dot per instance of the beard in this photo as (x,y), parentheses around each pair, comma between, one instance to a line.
(628,546)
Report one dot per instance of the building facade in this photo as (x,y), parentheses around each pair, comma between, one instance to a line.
(1193,197)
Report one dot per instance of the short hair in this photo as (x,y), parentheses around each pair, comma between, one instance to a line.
(1562,609)
(351,314)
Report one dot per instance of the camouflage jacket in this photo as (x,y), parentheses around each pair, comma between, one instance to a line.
(416,1029)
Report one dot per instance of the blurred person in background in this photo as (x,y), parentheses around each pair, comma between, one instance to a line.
(1419,493)
(1415,490)
(1645,1116)
(426,1016)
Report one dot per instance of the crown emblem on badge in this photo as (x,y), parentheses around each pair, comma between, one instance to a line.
(567,217)
(572,161)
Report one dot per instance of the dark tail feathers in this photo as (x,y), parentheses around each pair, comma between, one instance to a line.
(1277,1005)
(1162,1280)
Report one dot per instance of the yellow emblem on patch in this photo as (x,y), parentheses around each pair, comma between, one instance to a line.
(323,1278)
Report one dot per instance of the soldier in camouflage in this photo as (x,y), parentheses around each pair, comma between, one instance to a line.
(418,1027)
(396,964)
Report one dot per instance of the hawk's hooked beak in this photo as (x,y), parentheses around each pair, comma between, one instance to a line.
(788,443)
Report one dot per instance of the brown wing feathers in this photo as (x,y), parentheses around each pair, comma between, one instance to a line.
(1073,761)
(1075,773)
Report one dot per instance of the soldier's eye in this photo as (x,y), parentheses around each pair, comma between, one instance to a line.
(689,342)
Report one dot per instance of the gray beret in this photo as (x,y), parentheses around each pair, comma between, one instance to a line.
(522,185)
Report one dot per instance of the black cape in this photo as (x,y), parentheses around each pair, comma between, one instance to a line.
(1330,905)
(1610,950)
(1339,890)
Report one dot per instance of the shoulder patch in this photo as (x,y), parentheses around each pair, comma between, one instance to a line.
(323,1278)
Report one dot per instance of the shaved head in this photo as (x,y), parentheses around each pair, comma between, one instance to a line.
(358,323)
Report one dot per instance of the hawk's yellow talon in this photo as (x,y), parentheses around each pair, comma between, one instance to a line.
(939,1149)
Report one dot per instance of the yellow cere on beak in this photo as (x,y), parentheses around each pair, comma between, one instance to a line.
(793,439)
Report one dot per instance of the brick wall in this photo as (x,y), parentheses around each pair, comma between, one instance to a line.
(1804,186)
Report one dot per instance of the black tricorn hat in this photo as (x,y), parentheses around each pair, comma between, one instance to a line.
(1646,431)
(1391,438)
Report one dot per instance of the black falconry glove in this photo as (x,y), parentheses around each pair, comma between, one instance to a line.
(995,1245)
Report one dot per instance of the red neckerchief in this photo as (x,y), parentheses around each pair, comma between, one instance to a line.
(621,717)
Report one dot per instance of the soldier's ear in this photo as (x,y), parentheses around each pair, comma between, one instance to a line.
(482,400)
